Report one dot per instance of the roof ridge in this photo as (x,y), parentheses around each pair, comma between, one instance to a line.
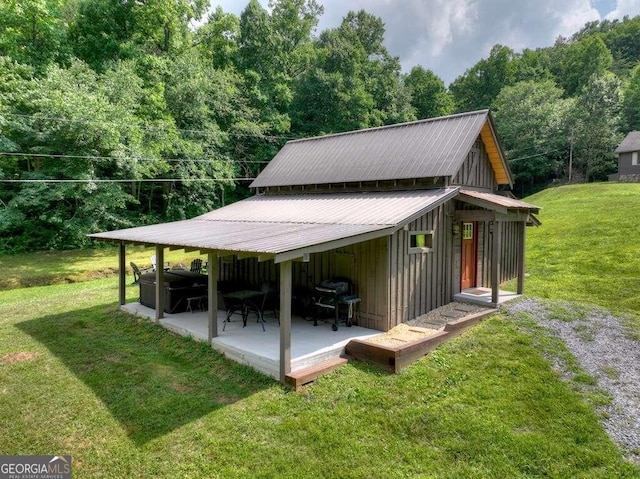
(386,127)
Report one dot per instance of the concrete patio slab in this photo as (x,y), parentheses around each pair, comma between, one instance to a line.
(257,348)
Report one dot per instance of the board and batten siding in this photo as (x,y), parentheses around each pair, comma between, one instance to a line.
(476,170)
(511,234)
(420,282)
(365,264)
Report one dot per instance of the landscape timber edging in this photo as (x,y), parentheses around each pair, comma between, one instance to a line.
(396,358)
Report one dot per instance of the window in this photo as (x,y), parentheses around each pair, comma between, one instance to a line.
(467,231)
(634,158)
(421,242)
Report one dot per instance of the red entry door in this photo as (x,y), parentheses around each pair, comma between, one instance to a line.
(469,255)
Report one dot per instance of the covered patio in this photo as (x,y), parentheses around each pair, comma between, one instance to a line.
(250,345)
(274,231)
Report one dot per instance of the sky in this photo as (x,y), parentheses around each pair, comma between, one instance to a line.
(450,36)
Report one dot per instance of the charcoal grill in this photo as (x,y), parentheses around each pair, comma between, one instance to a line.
(332,295)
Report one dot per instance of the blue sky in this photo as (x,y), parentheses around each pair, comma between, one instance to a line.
(450,36)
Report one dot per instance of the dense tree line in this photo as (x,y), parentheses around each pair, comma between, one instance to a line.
(145,111)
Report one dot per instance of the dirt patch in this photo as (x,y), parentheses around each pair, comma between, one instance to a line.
(402,334)
(19,357)
(181,388)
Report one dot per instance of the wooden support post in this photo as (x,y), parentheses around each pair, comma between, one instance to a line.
(212,292)
(496,252)
(159,282)
(285,319)
(521,253)
(122,275)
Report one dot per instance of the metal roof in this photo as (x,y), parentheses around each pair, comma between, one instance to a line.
(422,149)
(277,225)
(630,143)
(372,208)
(498,200)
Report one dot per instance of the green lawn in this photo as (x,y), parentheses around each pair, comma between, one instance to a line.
(586,250)
(128,399)
(54,267)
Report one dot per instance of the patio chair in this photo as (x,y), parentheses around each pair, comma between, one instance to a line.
(269,301)
(230,307)
(137,272)
(196,266)
(154,261)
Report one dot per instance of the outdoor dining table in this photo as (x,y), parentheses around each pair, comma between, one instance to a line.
(243,297)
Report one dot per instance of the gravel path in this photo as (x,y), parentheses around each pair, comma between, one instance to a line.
(604,349)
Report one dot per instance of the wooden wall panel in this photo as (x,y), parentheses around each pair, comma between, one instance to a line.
(420,282)
(511,234)
(476,170)
(365,264)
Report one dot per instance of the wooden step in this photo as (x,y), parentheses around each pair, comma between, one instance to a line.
(298,378)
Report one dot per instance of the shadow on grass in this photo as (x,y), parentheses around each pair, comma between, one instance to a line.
(151,380)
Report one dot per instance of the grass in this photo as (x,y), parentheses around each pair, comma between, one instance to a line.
(128,399)
(55,267)
(586,250)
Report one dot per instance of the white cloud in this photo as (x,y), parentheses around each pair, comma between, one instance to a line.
(625,7)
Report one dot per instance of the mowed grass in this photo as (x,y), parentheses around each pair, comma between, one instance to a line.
(126,398)
(42,268)
(588,247)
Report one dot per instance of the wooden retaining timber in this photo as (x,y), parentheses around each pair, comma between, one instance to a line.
(301,377)
(390,358)
(396,358)
(393,358)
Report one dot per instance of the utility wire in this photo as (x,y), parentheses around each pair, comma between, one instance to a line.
(533,156)
(144,180)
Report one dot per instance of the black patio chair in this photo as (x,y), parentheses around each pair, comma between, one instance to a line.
(196,266)
(230,307)
(137,272)
(269,301)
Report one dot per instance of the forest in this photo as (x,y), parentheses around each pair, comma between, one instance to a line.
(118,113)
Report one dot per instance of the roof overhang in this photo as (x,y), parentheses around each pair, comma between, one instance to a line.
(497,203)
(495,153)
(288,227)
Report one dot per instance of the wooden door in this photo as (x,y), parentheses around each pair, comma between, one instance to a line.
(469,255)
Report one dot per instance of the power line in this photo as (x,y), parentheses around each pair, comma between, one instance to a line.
(536,155)
(92,157)
(144,180)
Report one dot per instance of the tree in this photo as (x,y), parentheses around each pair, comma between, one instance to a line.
(34,32)
(630,120)
(428,94)
(580,61)
(531,118)
(217,39)
(596,127)
(107,30)
(479,86)
(355,83)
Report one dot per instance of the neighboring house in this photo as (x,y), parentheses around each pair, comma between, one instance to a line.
(412,214)
(628,159)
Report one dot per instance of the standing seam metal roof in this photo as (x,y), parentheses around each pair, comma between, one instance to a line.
(421,149)
(273,225)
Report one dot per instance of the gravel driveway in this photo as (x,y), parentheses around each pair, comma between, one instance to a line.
(607,351)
